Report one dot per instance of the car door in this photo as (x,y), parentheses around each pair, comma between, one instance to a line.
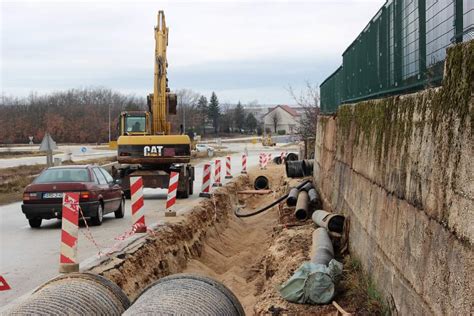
(115,191)
(103,188)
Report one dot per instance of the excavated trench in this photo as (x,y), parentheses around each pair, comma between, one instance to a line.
(251,256)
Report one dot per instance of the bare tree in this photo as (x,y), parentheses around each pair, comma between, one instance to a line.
(276,119)
(308,99)
(187,108)
(75,115)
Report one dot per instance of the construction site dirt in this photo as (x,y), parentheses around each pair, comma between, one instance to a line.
(251,256)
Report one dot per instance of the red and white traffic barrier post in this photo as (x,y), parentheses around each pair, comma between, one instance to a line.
(217,174)
(138,212)
(3,284)
(282,158)
(171,197)
(244,164)
(269,157)
(69,231)
(206,181)
(264,161)
(228,168)
(260,160)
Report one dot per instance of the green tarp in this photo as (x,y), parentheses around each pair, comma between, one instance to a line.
(312,283)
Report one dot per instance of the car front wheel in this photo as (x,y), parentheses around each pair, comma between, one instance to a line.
(97,220)
(35,222)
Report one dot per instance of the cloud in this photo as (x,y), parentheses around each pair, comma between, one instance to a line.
(255,47)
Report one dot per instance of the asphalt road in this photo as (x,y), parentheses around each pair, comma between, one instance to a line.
(29,257)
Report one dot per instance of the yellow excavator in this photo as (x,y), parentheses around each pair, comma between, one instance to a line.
(145,146)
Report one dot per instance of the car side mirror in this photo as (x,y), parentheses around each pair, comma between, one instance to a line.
(117,181)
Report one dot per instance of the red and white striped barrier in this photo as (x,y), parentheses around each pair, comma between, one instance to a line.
(264,161)
(228,168)
(4,285)
(282,157)
(217,174)
(260,160)
(269,159)
(244,164)
(172,190)
(69,231)
(138,212)
(206,181)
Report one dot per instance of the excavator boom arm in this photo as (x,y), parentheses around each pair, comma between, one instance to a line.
(160,124)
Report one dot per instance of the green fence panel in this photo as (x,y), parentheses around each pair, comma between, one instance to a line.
(401,50)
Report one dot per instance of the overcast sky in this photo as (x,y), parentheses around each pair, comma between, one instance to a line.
(242,50)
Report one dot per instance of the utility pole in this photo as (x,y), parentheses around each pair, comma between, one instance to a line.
(109,123)
(184,119)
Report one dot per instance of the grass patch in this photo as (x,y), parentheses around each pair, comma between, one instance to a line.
(360,290)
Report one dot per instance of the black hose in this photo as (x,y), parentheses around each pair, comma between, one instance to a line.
(263,209)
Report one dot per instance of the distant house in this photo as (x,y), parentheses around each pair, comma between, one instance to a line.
(258,111)
(286,118)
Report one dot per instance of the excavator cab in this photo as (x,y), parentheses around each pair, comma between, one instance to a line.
(135,123)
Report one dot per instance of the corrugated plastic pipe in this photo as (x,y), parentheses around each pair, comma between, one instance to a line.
(308,165)
(186,294)
(74,294)
(260,183)
(294,169)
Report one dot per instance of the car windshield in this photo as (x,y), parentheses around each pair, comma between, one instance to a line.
(63,175)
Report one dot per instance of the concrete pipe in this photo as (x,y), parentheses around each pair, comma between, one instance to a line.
(314,199)
(322,251)
(74,294)
(301,211)
(332,222)
(294,169)
(186,294)
(292,197)
(260,183)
